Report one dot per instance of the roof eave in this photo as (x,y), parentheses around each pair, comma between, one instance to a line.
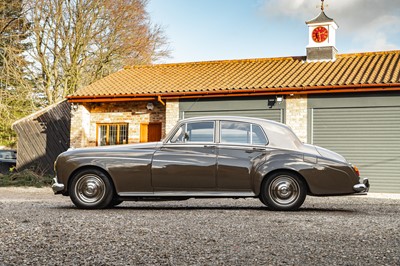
(236,93)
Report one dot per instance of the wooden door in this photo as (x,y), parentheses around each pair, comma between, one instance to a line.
(150,132)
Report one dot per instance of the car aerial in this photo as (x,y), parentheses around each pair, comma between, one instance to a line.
(8,160)
(208,157)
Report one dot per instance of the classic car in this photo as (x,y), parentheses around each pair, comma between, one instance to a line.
(208,157)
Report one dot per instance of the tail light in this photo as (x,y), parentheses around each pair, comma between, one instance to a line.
(356,170)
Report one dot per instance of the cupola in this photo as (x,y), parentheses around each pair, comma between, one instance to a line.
(321,37)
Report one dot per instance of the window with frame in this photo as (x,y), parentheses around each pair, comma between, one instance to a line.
(112,134)
(242,133)
(194,132)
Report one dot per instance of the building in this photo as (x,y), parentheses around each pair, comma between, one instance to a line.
(349,103)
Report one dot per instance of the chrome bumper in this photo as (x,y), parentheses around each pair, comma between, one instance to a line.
(57,187)
(362,187)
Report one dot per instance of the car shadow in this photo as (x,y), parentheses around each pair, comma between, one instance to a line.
(216,208)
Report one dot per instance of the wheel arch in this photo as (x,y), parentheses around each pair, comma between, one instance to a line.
(86,167)
(282,170)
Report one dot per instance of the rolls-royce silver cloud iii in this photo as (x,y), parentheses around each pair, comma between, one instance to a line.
(208,157)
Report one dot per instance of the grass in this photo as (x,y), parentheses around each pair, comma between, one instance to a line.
(26,178)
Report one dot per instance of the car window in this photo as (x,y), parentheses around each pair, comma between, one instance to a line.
(235,132)
(258,135)
(9,155)
(242,133)
(194,132)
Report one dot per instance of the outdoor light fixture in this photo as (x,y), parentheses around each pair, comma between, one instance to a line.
(150,106)
(74,107)
(279,99)
(273,100)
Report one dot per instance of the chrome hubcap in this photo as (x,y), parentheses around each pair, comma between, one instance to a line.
(90,188)
(284,190)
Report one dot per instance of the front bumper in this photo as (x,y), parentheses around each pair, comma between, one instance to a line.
(57,187)
(362,187)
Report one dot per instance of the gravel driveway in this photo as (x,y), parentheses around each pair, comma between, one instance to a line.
(39,228)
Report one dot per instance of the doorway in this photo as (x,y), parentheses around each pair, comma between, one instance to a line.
(150,132)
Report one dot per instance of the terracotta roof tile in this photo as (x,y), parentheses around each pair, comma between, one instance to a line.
(248,75)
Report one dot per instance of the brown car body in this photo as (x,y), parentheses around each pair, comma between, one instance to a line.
(221,165)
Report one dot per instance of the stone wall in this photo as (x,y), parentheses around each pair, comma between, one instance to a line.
(87,116)
(171,114)
(80,126)
(296,115)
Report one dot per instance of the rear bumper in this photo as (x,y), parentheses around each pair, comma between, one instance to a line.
(57,187)
(362,187)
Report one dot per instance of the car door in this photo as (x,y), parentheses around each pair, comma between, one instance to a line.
(241,149)
(188,160)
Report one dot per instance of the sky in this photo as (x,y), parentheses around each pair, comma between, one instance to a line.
(207,30)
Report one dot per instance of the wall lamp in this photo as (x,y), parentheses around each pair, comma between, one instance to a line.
(150,106)
(279,99)
(74,107)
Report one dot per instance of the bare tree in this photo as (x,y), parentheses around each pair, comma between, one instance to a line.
(51,48)
(76,42)
(15,89)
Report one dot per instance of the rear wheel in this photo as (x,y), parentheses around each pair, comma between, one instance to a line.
(283,191)
(91,189)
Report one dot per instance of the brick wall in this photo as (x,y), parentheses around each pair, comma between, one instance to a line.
(296,115)
(85,119)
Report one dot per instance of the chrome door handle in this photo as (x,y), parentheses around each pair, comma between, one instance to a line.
(209,146)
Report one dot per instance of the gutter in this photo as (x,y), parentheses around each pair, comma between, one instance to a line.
(236,93)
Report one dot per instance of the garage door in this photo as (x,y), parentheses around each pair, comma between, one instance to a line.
(243,106)
(369,137)
(275,115)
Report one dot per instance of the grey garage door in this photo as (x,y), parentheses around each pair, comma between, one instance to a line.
(243,106)
(275,115)
(369,137)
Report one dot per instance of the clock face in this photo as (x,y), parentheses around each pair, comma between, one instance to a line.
(319,34)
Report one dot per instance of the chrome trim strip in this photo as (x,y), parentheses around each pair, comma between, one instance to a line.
(116,158)
(188,194)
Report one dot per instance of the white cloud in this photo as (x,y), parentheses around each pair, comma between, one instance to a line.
(369,25)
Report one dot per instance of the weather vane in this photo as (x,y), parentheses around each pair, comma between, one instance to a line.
(323,5)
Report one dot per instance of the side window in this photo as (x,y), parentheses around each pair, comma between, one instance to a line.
(242,133)
(179,135)
(235,132)
(194,132)
(258,135)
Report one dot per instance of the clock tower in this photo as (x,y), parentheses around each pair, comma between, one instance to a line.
(321,37)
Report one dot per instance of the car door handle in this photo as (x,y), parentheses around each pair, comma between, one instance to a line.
(209,146)
(255,150)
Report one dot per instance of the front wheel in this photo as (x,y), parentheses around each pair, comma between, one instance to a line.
(91,189)
(283,191)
